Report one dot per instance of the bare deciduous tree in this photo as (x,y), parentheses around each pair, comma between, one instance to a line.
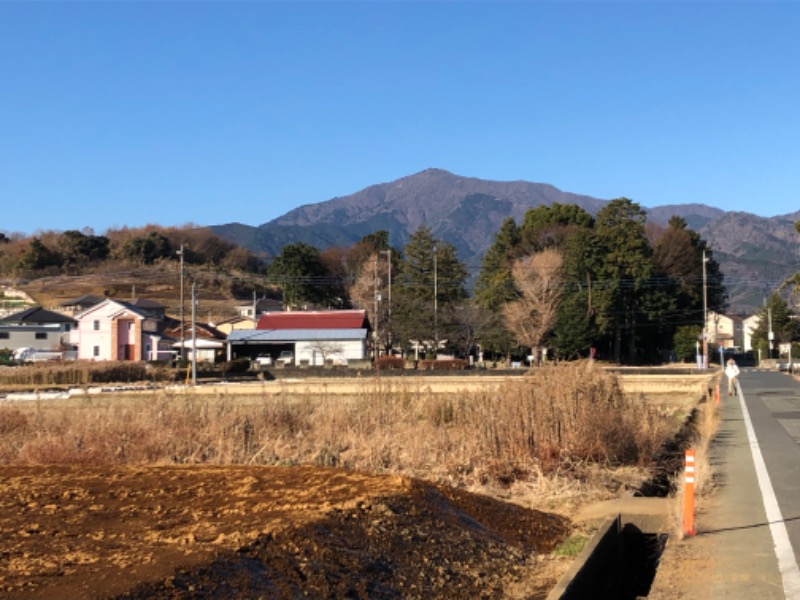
(327,349)
(372,284)
(538,279)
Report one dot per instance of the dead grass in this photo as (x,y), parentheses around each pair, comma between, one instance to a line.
(704,429)
(549,429)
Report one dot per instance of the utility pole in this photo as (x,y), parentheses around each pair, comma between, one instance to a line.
(435,301)
(375,333)
(770,333)
(705,314)
(194,337)
(180,253)
(389,316)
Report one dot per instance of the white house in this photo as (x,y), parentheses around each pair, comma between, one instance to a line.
(749,325)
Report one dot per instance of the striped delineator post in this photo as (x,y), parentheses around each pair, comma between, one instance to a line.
(688,495)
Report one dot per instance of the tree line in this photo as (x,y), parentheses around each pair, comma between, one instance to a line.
(76,252)
(562,279)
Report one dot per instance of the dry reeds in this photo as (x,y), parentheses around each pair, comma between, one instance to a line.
(76,373)
(526,425)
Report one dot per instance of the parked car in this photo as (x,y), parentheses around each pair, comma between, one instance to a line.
(263,360)
(286,358)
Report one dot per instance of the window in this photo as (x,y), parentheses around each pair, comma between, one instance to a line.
(41,335)
(96,325)
(96,351)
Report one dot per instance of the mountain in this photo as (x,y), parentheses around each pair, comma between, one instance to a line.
(755,253)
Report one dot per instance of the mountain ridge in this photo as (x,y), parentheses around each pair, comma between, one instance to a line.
(755,253)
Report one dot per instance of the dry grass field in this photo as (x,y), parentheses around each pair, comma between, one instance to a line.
(371,488)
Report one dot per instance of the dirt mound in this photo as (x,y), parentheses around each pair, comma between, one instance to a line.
(262,532)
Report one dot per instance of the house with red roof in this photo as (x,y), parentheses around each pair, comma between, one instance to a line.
(311,338)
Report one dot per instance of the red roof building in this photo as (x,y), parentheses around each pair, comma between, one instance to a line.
(325,319)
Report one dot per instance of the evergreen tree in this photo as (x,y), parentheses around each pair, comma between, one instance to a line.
(430,280)
(623,264)
(77,248)
(38,256)
(549,226)
(678,260)
(495,284)
(784,327)
(303,278)
(148,248)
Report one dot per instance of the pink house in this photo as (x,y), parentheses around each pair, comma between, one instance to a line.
(115,330)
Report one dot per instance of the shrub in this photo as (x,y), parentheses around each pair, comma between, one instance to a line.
(75,373)
(238,365)
(453,364)
(384,363)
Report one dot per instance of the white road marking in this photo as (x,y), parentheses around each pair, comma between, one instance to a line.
(787,563)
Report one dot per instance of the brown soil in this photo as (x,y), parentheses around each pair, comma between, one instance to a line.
(263,532)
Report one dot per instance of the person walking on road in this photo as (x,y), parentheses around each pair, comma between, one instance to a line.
(731,372)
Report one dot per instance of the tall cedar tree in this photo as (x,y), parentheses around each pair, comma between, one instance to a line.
(429,265)
(623,267)
(678,259)
(495,283)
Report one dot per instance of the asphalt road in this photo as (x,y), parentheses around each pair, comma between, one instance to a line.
(757,520)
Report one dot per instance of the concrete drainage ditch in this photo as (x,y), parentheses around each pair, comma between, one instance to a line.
(619,562)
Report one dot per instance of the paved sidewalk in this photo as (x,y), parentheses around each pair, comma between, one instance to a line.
(733,554)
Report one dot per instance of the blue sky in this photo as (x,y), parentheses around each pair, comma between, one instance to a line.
(126,113)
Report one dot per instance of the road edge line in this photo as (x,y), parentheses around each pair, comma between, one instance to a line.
(787,563)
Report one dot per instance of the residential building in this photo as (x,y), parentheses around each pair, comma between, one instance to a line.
(724,331)
(229,325)
(749,325)
(78,305)
(258,307)
(116,330)
(209,341)
(36,328)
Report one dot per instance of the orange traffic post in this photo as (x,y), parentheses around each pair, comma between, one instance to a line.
(716,393)
(688,495)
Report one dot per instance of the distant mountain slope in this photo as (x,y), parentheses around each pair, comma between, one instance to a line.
(755,253)
(464,211)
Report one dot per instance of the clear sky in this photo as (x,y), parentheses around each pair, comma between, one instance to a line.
(126,113)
